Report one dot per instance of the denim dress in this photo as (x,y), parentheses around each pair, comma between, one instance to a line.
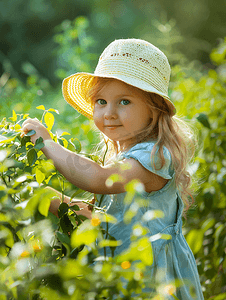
(172,258)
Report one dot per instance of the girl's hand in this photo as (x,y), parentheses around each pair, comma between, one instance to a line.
(35,124)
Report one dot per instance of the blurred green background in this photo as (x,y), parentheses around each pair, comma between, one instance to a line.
(27,27)
(41,43)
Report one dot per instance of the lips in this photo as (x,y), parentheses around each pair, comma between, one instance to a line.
(113,125)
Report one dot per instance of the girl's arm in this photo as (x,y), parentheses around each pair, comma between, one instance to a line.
(54,205)
(80,171)
(87,174)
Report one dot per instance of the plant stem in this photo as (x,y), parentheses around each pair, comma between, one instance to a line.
(105,152)
(4,180)
(43,116)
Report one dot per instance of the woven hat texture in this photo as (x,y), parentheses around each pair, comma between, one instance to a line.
(133,61)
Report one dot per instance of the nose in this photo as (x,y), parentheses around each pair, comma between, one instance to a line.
(110,113)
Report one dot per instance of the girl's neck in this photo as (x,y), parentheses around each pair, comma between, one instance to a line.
(124,147)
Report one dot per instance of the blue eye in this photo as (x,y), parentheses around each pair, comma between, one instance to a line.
(101,103)
(125,102)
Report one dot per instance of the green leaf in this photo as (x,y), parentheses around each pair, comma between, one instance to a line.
(43,206)
(81,217)
(203,119)
(54,220)
(31,156)
(49,120)
(9,173)
(87,238)
(208,199)
(76,144)
(63,238)
(39,176)
(107,218)
(6,236)
(41,107)
(220,297)
(55,110)
(4,141)
(63,208)
(32,205)
(74,220)
(39,146)
(25,139)
(75,207)
(84,234)
(31,132)
(65,133)
(3,138)
(60,142)
(109,243)
(77,193)
(208,224)
(14,117)
(195,240)
(39,143)
(21,150)
(66,224)
(217,234)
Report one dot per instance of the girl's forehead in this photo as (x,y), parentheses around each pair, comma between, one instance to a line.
(118,86)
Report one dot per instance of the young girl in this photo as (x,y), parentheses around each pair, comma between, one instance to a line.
(127,97)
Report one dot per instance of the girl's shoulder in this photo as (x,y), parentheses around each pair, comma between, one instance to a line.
(148,146)
(143,153)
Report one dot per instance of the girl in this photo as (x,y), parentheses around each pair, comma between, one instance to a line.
(127,97)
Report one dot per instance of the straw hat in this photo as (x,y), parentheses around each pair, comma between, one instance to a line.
(133,61)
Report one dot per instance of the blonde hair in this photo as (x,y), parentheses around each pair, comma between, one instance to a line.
(169,131)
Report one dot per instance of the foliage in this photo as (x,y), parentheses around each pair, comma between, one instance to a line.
(27,27)
(42,256)
(72,54)
(73,47)
(203,100)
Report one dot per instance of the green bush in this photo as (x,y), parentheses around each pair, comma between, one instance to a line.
(42,256)
(202,100)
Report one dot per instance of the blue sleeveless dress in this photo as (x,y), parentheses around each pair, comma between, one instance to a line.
(173,259)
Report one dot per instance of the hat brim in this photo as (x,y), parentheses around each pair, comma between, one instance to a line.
(75,89)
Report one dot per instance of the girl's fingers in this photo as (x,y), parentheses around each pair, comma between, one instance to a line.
(38,127)
(28,125)
(31,122)
(25,129)
(25,123)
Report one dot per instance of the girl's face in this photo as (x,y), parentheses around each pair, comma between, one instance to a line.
(120,111)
